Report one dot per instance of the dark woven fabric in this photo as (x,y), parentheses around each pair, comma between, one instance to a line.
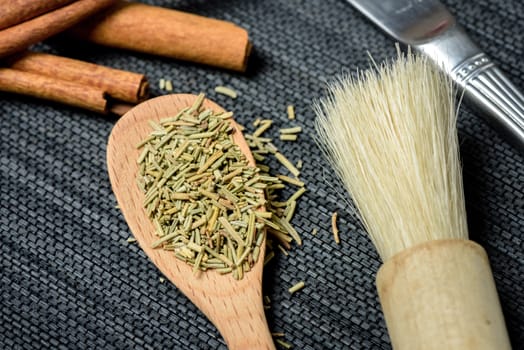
(69,279)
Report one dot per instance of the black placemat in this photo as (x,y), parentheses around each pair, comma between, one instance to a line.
(69,279)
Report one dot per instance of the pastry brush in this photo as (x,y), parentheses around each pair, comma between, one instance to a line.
(390,134)
(429,28)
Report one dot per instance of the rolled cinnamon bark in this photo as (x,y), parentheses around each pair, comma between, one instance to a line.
(170,33)
(119,84)
(18,11)
(49,88)
(21,36)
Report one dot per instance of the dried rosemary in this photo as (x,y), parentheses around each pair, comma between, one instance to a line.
(224,90)
(278,225)
(283,344)
(291,112)
(204,200)
(296,287)
(334,227)
(194,182)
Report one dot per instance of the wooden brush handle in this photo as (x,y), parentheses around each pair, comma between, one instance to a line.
(441,295)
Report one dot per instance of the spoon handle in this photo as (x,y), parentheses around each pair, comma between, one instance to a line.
(239,316)
(234,306)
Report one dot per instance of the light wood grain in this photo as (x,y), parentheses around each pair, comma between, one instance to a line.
(441,295)
(234,307)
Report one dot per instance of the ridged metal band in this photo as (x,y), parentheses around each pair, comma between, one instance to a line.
(469,68)
(490,90)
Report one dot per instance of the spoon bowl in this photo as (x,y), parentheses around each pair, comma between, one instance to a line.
(235,307)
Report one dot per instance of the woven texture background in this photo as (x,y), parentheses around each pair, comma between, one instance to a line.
(69,279)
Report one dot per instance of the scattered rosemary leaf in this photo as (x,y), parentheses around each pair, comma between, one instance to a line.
(284,344)
(162,84)
(334,227)
(224,90)
(270,255)
(288,137)
(297,194)
(296,287)
(283,250)
(291,180)
(131,240)
(285,162)
(169,85)
(293,130)
(291,112)
(289,211)
(289,229)
(264,125)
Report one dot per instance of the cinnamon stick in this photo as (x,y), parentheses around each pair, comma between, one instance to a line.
(18,11)
(21,36)
(169,33)
(73,82)
(119,84)
(49,88)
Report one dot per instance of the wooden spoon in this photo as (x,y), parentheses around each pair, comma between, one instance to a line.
(234,307)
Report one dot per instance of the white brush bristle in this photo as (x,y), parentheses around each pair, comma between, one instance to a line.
(391,136)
